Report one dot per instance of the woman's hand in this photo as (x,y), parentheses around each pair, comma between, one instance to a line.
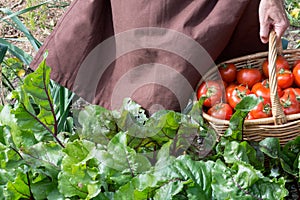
(272,16)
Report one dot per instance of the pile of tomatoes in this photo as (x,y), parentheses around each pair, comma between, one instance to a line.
(223,95)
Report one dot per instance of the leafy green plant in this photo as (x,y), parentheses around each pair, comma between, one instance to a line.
(18,61)
(123,154)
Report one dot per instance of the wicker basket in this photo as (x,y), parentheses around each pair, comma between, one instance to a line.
(281,126)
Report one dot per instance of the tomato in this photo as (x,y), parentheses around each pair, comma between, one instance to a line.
(228,90)
(285,78)
(222,83)
(237,94)
(296,73)
(261,89)
(289,102)
(212,90)
(248,76)
(220,111)
(262,110)
(228,72)
(281,63)
(249,116)
(297,93)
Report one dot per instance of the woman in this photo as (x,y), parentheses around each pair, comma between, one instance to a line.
(147,50)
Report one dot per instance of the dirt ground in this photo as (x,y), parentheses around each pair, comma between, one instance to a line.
(51,15)
(40,27)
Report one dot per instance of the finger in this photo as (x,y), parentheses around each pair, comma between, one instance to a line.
(281,28)
(264,32)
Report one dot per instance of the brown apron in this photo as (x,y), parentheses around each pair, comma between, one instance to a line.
(152,51)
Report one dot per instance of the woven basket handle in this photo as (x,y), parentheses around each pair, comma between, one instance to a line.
(274,49)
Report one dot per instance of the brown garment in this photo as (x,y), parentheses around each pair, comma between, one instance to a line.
(153,55)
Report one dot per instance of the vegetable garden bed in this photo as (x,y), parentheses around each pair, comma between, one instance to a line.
(50,150)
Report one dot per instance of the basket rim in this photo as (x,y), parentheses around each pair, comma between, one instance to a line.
(262,121)
(255,56)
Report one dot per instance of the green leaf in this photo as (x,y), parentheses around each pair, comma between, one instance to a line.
(55,194)
(165,123)
(20,12)
(44,157)
(10,160)
(129,192)
(235,129)
(169,190)
(166,182)
(235,152)
(18,189)
(123,158)
(77,152)
(83,187)
(255,156)
(17,52)
(97,123)
(21,27)
(131,114)
(13,134)
(28,122)
(248,103)
(79,175)
(62,111)
(164,158)
(242,181)
(6,175)
(270,189)
(271,147)
(291,151)
(3,50)
(1,192)
(289,156)
(199,172)
(35,92)
(45,188)
(196,111)
(245,175)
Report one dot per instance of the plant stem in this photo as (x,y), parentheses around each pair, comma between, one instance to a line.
(51,106)
(46,127)
(27,175)
(29,187)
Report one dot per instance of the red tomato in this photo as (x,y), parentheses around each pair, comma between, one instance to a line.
(281,63)
(249,116)
(221,111)
(297,93)
(289,102)
(262,110)
(237,94)
(248,76)
(261,89)
(228,90)
(285,78)
(212,90)
(228,72)
(222,83)
(296,73)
